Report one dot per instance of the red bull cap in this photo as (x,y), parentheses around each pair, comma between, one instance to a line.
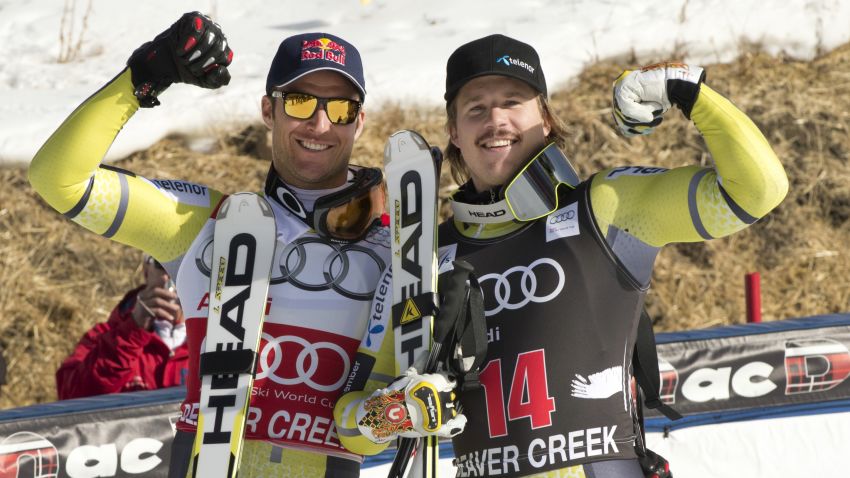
(302,54)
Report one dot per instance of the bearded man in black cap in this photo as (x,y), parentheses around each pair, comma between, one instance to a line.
(564,264)
(331,246)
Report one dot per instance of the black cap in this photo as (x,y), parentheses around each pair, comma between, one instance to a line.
(493,55)
(301,54)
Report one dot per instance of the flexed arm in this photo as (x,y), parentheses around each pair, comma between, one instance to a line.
(690,203)
(67,172)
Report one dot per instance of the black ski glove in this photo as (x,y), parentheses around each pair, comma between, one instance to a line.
(193,50)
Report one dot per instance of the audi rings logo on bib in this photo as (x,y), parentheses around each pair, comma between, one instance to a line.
(563,217)
(293,360)
(562,223)
(203,256)
(539,282)
(315,264)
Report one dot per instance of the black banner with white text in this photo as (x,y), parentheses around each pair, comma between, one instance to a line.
(756,365)
(76,439)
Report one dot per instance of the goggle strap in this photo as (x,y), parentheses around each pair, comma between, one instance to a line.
(286,198)
(494,213)
(361,182)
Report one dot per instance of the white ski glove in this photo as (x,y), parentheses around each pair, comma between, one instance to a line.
(412,406)
(641,97)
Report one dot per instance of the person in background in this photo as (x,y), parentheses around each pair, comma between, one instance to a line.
(142,346)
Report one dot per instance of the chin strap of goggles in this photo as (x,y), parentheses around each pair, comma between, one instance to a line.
(280,193)
(480,208)
(482,213)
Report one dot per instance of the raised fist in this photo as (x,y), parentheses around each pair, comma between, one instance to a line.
(193,50)
(641,97)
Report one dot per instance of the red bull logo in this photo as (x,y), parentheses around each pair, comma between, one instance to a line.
(27,455)
(815,365)
(323,49)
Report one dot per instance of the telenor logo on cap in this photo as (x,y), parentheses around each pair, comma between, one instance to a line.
(323,49)
(508,61)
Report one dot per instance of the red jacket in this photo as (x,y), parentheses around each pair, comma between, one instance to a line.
(118,356)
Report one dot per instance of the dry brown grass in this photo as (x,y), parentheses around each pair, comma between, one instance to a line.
(57,279)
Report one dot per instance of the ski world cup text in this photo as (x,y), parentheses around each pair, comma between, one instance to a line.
(301,427)
(242,250)
(556,449)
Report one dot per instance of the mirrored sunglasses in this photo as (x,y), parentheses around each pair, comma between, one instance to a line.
(303,106)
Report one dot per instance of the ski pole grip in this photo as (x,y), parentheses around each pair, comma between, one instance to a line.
(452,286)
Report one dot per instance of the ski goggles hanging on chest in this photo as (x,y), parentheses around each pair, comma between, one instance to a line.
(346,215)
(533,192)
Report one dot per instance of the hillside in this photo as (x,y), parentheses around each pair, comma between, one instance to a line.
(57,279)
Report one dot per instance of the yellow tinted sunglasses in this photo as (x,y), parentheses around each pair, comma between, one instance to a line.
(303,106)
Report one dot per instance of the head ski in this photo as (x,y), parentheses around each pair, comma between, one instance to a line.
(243,251)
(412,172)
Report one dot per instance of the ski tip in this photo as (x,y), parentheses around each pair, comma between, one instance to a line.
(242,201)
(406,140)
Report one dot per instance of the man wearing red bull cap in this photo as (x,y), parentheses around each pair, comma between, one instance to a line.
(564,265)
(331,247)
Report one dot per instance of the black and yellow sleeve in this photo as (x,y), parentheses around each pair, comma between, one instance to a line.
(116,204)
(689,204)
